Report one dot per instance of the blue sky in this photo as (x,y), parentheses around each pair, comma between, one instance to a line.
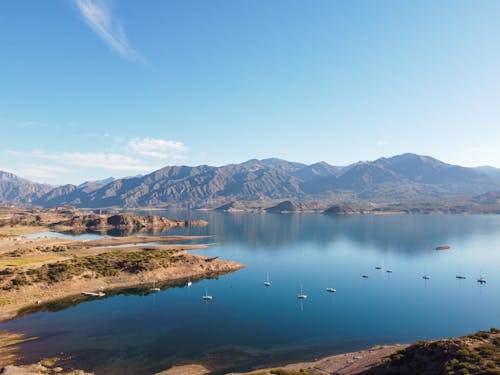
(91,89)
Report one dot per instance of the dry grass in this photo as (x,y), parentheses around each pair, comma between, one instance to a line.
(5,301)
(13,231)
(28,260)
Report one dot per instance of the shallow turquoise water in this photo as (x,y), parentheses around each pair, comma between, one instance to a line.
(83,236)
(248,324)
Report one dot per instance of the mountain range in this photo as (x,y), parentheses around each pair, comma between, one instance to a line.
(403,177)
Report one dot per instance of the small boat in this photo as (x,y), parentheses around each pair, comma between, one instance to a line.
(301,295)
(154,288)
(94,294)
(331,290)
(460,276)
(206,297)
(443,247)
(189,283)
(481,279)
(267,282)
(378,267)
(388,271)
(365,276)
(426,277)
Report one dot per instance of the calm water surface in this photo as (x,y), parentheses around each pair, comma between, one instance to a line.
(248,324)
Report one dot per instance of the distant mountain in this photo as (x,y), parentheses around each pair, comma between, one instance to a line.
(491,198)
(285,207)
(490,171)
(399,178)
(16,190)
(96,184)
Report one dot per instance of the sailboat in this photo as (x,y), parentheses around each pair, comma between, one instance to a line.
(189,283)
(426,276)
(206,297)
(481,279)
(460,276)
(154,288)
(301,295)
(331,290)
(267,282)
(365,276)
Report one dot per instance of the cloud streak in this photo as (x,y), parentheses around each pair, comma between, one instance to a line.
(130,156)
(37,171)
(158,148)
(99,160)
(99,18)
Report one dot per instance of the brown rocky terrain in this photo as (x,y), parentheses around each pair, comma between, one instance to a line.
(121,221)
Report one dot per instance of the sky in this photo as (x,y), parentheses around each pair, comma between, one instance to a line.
(96,88)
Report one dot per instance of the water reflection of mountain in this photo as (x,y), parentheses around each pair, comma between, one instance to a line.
(401,233)
(119,232)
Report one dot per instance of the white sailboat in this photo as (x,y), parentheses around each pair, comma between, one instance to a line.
(302,295)
(426,276)
(94,294)
(154,288)
(189,283)
(267,282)
(207,297)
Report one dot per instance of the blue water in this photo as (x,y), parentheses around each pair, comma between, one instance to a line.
(247,324)
(66,236)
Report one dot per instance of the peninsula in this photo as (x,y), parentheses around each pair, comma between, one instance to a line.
(36,271)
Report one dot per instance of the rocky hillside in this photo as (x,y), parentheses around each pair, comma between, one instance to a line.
(16,190)
(403,177)
(478,353)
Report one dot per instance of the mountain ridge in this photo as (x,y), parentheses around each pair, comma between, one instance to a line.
(401,177)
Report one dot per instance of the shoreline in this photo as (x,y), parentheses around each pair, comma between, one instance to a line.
(106,265)
(187,266)
(346,363)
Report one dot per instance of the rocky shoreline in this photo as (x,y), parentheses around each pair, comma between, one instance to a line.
(98,222)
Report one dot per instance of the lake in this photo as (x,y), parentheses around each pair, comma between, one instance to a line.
(247,324)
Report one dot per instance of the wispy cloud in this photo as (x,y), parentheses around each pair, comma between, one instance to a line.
(108,161)
(37,171)
(98,15)
(130,156)
(158,148)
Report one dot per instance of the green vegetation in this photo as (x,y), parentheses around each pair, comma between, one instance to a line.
(101,265)
(43,249)
(478,353)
